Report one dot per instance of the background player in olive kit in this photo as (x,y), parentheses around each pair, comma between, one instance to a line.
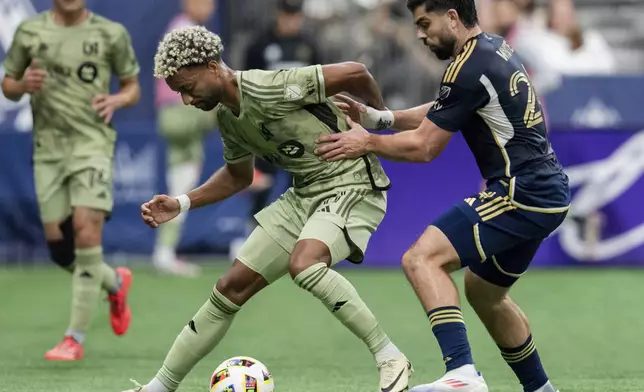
(65,58)
(486,94)
(183,128)
(327,216)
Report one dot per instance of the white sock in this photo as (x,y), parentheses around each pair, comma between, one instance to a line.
(77,336)
(183,177)
(156,386)
(547,388)
(390,351)
(164,255)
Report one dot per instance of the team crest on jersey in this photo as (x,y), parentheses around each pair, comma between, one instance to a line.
(293,92)
(444,93)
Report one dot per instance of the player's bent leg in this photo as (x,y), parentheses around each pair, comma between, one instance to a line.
(309,266)
(427,265)
(486,289)
(86,285)
(88,275)
(209,325)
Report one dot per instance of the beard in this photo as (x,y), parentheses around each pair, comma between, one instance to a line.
(206,105)
(445,48)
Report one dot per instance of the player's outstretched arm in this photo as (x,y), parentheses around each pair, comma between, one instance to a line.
(232,178)
(227,181)
(355,79)
(409,119)
(423,144)
(371,118)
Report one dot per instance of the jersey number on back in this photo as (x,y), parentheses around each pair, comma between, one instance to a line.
(532,116)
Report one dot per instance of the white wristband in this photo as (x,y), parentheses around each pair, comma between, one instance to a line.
(377,119)
(184,203)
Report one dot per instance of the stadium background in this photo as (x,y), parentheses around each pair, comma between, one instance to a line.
(586,320)
(595,122)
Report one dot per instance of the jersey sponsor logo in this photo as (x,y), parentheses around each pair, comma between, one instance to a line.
(444,93)
(87,72)
(293,92)
(60,70)
(291,149)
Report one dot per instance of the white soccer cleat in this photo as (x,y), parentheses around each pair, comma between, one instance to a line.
(547,388)
(395,374)
(456,380)
(137,388)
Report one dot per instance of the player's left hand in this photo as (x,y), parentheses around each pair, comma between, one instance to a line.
(106,105)
(344,145)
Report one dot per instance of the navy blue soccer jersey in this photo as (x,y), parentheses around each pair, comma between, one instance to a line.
(487,95)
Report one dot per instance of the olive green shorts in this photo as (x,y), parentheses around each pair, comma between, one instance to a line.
(73,182)
(343,219)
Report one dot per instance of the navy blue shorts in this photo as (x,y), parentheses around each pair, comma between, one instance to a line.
(493,237)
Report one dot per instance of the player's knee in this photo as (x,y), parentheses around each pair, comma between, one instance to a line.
(240,283)
(306,254)
(88,225)
(483,295)
(432,250)
(415,259)
(87,236)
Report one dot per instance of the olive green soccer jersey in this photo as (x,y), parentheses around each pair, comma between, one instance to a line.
(282,113)
(79,61)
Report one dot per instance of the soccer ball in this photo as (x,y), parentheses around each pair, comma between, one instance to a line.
(241,374)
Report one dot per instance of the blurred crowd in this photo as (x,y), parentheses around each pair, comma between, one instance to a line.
(555,38)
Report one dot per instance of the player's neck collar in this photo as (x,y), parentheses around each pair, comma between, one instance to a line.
(472,38)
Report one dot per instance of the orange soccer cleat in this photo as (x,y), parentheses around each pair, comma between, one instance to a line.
(67,350)
(120,314)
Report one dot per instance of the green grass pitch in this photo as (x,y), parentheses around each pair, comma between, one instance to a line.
(588,327)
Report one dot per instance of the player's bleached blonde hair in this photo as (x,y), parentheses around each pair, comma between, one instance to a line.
(193,45)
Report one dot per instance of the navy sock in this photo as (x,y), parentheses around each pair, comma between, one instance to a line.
(526,364)
(449,328)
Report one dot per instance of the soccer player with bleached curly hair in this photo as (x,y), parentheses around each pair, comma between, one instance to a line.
(327,216)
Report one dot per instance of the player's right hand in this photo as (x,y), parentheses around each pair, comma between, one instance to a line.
(364,115)
(351,107)
(34,78)
(160,209)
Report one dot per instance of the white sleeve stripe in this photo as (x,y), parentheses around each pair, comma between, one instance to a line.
(321,86)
